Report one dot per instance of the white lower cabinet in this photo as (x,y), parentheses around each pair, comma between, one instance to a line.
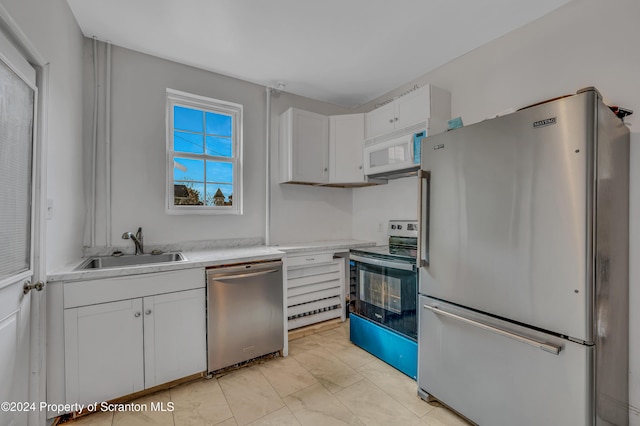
(315,289)
(118,348)
(174,336)
(104,356)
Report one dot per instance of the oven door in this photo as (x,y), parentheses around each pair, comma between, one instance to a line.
(386,293)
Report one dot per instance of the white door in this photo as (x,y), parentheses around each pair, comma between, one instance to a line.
(17,117)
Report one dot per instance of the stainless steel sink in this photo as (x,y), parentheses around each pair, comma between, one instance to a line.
(103,262)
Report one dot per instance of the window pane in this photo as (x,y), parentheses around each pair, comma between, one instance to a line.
(219,172)
(219,194)
(187,142)
(188,169)
(187,119)
(218,124)
(219,146)
(16,137)
(188,193)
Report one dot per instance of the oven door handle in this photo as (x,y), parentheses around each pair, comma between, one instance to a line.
(383,263)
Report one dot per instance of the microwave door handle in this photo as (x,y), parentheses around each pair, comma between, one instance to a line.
(424,187)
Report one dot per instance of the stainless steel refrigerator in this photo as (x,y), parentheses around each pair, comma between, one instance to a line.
(524,266)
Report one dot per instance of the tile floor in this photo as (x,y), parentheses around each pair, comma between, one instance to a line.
(325,380)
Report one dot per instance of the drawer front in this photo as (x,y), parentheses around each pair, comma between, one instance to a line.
(470,368)
(314,279)
(312,296)
(82,293)
(318,305)
(312,319)
(308,271)
(309,259)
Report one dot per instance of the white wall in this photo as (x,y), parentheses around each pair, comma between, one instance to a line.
(585,43)
(375,205)
(52,29)
(138,149)
(301,212)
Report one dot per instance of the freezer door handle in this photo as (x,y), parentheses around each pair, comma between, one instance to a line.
(424,215)
(548,347)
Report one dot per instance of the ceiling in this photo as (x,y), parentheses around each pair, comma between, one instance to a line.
(346,52)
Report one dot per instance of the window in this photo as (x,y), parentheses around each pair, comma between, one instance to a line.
(204,155)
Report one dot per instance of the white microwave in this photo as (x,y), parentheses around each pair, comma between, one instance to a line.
(397,155)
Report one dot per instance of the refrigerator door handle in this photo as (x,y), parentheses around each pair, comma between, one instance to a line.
(424,215)
(548,347)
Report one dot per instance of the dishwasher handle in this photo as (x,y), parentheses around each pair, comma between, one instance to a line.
(225,277)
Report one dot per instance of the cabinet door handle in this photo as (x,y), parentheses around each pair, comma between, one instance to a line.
(137,314)
(391,120)
(147,312)
(395,119)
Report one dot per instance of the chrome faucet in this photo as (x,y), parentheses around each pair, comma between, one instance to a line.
(137,240)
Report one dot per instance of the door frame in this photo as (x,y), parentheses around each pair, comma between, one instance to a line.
(37,361)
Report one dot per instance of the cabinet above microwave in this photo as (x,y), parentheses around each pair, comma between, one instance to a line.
(426,107)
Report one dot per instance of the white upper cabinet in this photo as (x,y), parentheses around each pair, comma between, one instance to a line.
(321,150)
(428,107)
(381,120)
(346,141)
(304,147)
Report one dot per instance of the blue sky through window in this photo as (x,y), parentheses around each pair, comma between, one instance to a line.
(209,134)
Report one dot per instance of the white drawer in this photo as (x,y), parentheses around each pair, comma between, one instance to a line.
(105,290)
(309,259)
(302,281)
(312,319)
(309,271)
(313,296)
(313,306)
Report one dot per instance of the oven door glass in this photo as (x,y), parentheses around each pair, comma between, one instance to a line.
(387,296)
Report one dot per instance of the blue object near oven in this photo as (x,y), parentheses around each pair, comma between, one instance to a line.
(383,299)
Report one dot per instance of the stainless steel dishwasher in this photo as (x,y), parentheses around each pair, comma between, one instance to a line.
(245,316)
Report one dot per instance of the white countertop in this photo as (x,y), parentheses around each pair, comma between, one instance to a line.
(335,245)
(206,258)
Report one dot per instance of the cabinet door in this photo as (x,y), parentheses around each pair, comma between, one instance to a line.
(104,353)
(174,336)
(310,147)
(380,121)
(346,141)
(412,108)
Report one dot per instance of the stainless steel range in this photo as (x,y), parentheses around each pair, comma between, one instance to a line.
(383,297)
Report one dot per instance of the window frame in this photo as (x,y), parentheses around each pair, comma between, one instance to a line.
(206,104)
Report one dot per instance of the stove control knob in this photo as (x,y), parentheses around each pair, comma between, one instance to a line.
(393,227)
(399,226)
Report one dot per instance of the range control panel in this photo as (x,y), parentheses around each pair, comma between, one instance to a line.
(403,228)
